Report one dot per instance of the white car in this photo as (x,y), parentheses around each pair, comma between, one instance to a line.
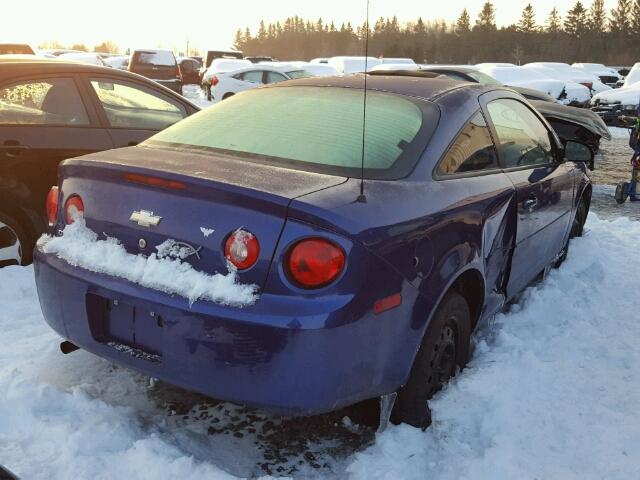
(121,62)
(398,61)
(494,64)
(633,76)
(226,84)
(608,76)
(566,92)
(628,97)
(385,67)
(83,57)
(223,65)
(347,65)
(315,69)
(564,71)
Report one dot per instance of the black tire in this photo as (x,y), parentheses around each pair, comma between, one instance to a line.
(16,239)
(444,349)
(577,228)
(622,192)
(580,218)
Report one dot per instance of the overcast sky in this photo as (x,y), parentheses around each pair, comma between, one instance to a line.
(209,23)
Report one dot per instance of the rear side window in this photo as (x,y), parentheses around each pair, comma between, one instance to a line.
(523,140)
(156,58)
(131,106)
(254,76)
(313,128)
(54,101)
(275,77)
(471,151)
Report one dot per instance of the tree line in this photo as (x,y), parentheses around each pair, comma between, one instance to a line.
(586,33)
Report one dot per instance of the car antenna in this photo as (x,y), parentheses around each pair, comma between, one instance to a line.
(362,198)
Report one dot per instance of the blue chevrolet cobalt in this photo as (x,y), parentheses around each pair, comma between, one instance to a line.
(266,252)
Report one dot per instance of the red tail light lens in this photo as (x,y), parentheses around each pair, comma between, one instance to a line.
(214,81)
(589,85)
(315,262)
(73,208)
(242,249)
(52,205)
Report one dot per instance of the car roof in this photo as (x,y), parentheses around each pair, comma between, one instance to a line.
(18,65)
(408,83)
(27,64)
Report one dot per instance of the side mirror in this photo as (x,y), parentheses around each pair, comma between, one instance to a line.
(579,152)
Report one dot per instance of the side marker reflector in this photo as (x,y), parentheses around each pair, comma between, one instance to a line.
(387,303)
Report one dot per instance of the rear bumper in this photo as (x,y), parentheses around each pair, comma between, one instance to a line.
(268,356)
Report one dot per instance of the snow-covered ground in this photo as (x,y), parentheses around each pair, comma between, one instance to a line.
(552,391)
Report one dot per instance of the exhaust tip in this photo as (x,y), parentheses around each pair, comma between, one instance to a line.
(67,347)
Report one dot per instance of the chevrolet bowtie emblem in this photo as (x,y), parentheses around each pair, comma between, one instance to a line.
(145,218)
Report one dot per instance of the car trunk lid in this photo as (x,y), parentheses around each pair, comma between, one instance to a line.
(200,199)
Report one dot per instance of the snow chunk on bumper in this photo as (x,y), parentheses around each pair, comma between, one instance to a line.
(80,247)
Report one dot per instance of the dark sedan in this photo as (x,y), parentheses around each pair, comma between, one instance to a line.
(52,110)
(263,263)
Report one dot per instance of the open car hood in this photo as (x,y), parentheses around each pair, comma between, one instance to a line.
(579,116)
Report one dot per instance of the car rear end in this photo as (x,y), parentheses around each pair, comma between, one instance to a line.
(157,65)
(303,325)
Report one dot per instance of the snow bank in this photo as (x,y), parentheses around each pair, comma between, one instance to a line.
(552,392)
(554,385)
(79,246)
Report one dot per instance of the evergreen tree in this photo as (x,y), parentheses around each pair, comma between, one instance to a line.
(576,21)
(463,24)
(238,42)
(620,22)
(597,21)
(487,18)
(527,22)
(554,22)
(635,18)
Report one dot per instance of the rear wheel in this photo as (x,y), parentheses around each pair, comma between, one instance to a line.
(622,192)
(444,349)
(577,228)
(15,244)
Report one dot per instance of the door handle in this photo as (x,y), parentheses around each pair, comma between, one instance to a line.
(530,204)
(12,148)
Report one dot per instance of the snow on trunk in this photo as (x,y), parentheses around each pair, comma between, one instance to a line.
(164,271)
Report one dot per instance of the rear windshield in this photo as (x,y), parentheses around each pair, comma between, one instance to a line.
(159,58)
(313,129)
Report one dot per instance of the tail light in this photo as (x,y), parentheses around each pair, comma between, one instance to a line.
(215,80)
(52,205)
(589,85)
(242,249)
(73,208)
(315,262)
